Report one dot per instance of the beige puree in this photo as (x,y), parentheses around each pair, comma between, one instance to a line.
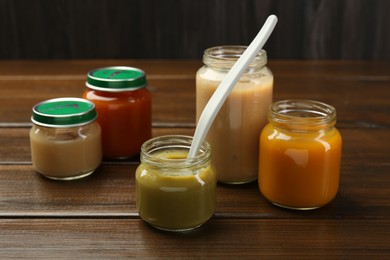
(234,135)
(61,153)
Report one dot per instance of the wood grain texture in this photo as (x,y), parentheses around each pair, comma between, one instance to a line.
(177,29)
(110,190)
(96,217)
(352,87)
(228,239)
(172,86)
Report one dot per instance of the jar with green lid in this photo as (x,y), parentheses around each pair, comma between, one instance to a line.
(124,106)
(65,138)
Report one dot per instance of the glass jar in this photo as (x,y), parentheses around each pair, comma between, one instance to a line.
(65,138)
(300,155)
(124,106)
(172,192)
(234,133)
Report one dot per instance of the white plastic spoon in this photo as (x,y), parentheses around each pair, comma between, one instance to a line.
(225,87)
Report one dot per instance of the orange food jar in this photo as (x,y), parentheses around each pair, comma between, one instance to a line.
(300,155)
(124,107)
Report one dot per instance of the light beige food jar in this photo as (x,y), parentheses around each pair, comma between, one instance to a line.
(65,138)
(235,131)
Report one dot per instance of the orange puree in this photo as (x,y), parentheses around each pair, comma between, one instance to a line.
(299,169)
(123,104)
(125,118)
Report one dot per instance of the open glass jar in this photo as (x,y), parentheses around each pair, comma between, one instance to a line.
(300,155)
(65,138)
(235,131)
(172,192)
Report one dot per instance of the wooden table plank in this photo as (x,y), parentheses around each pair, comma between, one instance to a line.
(368,146)
(173,99)
(25,83)
(227,239)
(80,68)
(359,102)
(357,90)
(374,69)
(15,142)
(110,192)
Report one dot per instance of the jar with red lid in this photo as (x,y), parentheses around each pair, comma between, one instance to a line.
(124,107)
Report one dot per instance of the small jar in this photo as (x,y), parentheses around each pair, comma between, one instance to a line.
(65,138)
(124,106)
(300,155)
(174,193)
(234,133)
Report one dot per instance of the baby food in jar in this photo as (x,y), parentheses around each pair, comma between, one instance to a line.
(300,155)
(234,133)
(65,138)
(172,192)
(124,107)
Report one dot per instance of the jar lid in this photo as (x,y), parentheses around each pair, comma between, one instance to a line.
(116,79)
(64,112)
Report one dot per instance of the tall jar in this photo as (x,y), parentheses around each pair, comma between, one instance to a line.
(172,192)
(65,138)
(124,106)
(234,134)
(300,155)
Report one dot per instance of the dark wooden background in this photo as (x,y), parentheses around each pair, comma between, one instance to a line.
(182,29)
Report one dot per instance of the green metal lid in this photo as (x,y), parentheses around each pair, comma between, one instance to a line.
(116,79)
(64,112)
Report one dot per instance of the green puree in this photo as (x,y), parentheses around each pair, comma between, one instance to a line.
(173,199)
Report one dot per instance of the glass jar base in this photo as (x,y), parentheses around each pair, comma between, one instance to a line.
(237,182)
(295,208)
(67,178)
(179,230)
(118,158)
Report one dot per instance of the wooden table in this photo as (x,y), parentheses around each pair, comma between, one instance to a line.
(96,217)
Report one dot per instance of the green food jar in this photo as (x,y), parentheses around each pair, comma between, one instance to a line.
(174,193)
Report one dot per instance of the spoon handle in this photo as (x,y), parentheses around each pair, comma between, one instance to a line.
(225,87)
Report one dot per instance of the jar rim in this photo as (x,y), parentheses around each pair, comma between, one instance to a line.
(302,113)
(226,55)
(173,142)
